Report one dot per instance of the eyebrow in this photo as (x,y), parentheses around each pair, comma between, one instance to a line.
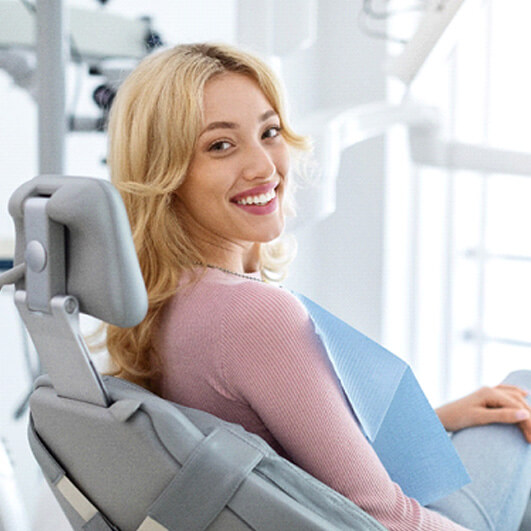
(232,125)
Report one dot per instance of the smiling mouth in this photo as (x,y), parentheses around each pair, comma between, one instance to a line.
(258,200)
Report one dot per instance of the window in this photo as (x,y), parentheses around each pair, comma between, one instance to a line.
(467,240)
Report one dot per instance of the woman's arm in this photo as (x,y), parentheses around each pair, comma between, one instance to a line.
(274,361)
(503,403)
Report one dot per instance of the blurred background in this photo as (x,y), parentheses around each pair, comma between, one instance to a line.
(416,227)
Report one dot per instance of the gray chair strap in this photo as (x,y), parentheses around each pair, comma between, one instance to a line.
(50,467)
(194,498)
(94,520)
(207,481)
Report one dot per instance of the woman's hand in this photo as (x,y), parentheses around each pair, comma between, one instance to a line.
(503,403)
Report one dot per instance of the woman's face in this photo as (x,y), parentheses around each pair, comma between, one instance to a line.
(232,196)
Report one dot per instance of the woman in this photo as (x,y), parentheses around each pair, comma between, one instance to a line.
(200,150)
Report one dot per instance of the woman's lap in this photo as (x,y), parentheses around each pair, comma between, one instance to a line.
(498,459)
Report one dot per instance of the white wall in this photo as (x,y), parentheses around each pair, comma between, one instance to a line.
(340,260)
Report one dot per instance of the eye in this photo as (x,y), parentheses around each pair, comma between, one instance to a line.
(221,145)
(272,132)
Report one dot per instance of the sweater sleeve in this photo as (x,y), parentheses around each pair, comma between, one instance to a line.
(273,360)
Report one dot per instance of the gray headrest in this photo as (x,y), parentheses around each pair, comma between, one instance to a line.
(102,269)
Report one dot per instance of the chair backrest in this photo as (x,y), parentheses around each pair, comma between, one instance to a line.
(115,455)
(84,222)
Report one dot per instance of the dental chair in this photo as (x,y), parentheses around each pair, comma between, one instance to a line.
(115,455)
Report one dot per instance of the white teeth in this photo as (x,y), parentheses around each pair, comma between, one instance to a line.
(260,200)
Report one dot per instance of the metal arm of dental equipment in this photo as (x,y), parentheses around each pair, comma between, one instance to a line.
(335,130)
(428,147)
(437,30)
(12,275)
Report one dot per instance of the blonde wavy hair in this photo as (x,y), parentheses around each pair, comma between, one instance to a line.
(154,123)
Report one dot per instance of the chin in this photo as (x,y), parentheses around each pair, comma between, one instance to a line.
(271,235)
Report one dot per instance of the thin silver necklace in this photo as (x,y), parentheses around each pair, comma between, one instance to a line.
(241,275)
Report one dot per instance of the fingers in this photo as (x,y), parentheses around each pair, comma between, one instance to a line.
(503,415)
(500,397)
(513,388)
(514,391)
(505,404)
(522,395)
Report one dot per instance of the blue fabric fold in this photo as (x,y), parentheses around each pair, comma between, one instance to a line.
(392,410)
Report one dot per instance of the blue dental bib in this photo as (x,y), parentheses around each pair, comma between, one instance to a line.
(392,410)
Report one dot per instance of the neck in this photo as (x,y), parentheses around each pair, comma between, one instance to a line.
(234,255)
(240,258)
(239,263)
(248,276)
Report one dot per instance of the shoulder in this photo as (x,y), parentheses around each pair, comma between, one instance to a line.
(243,308)
(269,322)
(258,302)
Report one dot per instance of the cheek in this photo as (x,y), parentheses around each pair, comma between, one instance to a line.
(199,183)
(284,160)
(191,195)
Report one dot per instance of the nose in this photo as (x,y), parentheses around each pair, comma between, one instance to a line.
(259,163)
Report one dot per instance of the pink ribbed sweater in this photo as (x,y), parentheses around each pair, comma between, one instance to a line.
(247,352)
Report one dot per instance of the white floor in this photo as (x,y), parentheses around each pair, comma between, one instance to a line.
(48,515)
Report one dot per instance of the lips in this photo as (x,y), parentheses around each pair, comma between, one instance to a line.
(259,200)
(259,195)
